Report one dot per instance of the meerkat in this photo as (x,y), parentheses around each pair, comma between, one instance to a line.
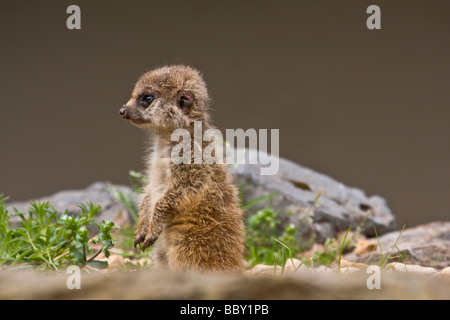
(192,209)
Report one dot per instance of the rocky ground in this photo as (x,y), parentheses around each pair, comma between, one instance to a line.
(413,263)
(260,283)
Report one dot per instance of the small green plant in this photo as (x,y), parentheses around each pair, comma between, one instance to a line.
(262,240)
(324,256)
(127,201)
(137,181)
(45,240)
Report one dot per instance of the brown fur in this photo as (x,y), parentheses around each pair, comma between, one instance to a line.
(193,209)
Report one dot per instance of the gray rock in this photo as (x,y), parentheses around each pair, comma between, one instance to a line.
(426,245)
(294,190)
(98,193)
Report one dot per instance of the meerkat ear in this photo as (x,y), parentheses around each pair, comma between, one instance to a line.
(185,103)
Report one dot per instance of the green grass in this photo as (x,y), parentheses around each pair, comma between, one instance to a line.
(343,245)
(137,181)
(384,260)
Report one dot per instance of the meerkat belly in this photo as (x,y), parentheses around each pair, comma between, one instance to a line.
(199,241)
(196,219)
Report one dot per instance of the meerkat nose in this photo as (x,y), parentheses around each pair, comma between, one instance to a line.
(122,112)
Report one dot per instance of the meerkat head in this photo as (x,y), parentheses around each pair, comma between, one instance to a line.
(168,98)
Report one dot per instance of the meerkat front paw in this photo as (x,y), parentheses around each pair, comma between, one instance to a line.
(141,234)
(138,239)
(146,241)
(145,237)
(149,241)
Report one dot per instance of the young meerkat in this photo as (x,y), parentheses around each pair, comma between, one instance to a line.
(192,209)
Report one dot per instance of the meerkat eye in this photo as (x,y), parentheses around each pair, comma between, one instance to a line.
(146,100)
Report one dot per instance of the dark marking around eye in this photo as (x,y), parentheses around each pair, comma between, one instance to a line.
(146,100)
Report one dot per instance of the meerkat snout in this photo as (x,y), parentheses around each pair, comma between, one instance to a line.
(126,113)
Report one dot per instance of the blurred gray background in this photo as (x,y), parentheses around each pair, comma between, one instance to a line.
(370,108)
